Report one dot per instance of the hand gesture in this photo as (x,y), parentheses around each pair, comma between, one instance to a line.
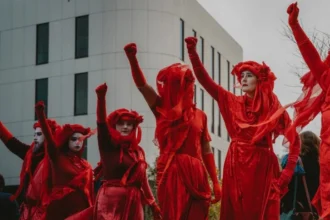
(101,90)
(191,43)
(293,12)
(130,49)
(217,193)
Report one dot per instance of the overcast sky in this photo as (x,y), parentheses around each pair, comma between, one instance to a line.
(257,25)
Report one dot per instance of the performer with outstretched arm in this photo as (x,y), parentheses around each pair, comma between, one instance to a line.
(315,99)
(251,182)
(69,185)
(31,172)
(183,140)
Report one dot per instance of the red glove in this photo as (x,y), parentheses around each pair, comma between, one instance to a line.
(138,77)
(101,112)
(101,90)
(130,50)
(191,43)
(211,169)
(5,134)
(293,12)
(40,106)
(156,211)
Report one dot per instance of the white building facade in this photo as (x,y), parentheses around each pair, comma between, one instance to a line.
(59,51)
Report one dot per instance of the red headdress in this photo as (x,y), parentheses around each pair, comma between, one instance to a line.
(129,142)
(175,85)
(26,167)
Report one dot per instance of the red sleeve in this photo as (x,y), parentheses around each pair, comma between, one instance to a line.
(308,52)
(50,146)
(205,133)
(18,148)
(202,76)
(103,136)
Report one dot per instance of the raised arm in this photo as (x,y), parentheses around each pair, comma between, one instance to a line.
(14,145)
(201,74)
(50,142)
(150,199)
(147,91)
(103,136)
(306,47)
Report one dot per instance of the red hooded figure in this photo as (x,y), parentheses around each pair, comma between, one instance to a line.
(31,176)
(69,185)
(251,178)
(183,140)
(125,188)
(314,99)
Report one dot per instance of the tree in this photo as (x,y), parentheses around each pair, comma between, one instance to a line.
(320,39)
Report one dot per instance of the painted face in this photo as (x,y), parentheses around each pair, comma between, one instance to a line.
(75,144)
(249,82)
(124,127)
(39,139)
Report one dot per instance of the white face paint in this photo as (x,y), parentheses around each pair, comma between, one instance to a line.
(75,144)
(39,139)
(124,127)
(249,82)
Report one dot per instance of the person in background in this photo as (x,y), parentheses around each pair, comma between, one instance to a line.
(8,208)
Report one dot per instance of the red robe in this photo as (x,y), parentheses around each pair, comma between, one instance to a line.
(315,99)
(251,179)
(31,178)
(70,186)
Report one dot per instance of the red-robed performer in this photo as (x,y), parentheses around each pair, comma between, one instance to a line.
(31,177)
(251,179)
(69,185)
(183,139)
(125,187)
(315,99)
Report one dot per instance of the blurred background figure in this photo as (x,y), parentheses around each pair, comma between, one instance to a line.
(309,155)
(8,208)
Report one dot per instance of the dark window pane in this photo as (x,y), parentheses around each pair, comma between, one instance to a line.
(202,49)
(42,43)
(219,163)
(195,94)
(82,36)
(41,92)
(202,99)
(182,40)
(81,94)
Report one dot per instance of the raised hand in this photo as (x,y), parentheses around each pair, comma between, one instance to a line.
(156,211)
(293,12)
(217,193)
(40,106)
(130,49)
(191,43)
(101,90)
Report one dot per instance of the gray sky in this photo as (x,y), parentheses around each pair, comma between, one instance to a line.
(257,25)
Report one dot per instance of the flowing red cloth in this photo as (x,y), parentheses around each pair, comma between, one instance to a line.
(314,99)
(31,178)
(251,181)
(182,186)
(69,185)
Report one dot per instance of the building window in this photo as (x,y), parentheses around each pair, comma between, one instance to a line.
(228,84)
(234,82)
(219,82)
(212,62)
(212,125)
(42,43)
(84,154)
(80,93)
(195,94)
(202,99)
(82,36)
(182,39)
(212,150)
(194,33)
(202,49)
(219,163)
(41,93)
